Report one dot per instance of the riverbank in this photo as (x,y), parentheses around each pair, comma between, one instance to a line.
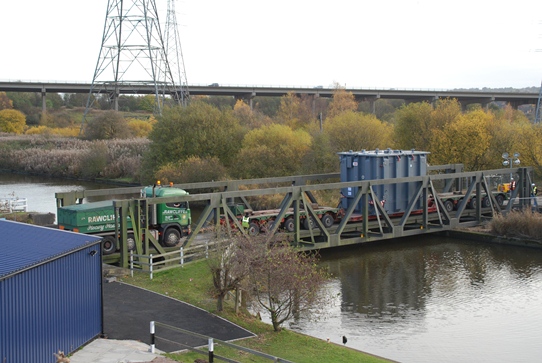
(193,284)
(487,237)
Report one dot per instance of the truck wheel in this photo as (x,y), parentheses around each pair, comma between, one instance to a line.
(108,245)
(130,242)
(472,203)
(171,237)
(485,202)
(253,229)
(449,205)
(327,220)
(289,225)
(308,223)
(500,199)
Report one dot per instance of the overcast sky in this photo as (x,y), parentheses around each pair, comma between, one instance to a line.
(406,44)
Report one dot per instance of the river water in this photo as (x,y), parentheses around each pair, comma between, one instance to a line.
(422,299)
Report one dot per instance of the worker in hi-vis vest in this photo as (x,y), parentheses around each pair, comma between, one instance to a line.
(246,223)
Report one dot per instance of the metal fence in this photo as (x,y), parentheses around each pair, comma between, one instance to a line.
(210,347)
(10,205)
(154,263)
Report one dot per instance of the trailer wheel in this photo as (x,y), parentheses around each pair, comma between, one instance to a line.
(485,202)
(308,223)
(500,199)
(108,245)
(171,237)
(269,226)
(472,203)
(449,205)
(130,242)
(289,225)
(253,229)
(327,220)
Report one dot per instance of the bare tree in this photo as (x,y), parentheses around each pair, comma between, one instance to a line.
(228,264)
(284,281)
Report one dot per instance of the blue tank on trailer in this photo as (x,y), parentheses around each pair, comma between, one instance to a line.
(383,164)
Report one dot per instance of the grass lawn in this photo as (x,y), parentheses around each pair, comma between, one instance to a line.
(193,284)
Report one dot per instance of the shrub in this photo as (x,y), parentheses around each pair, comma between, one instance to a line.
(518,224)
(193,170)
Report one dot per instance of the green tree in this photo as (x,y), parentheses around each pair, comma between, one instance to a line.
(274,150)
(147,103)
(356,131)
(198,129)
(322,156)
(12,121)
(413,125)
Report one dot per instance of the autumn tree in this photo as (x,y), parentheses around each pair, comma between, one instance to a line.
(342,102)
(446,111)
(356,131)
(192,170)
(274,150)
(12,121)
(465,140)
(107,125)
(284,281)
(249,118)
(5,102)
(288,113)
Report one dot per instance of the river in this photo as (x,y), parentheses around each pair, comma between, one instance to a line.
(420,299)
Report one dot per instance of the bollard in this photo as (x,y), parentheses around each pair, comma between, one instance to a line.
(211,350)
(131,263)
(152,336)
(182,256)
(150,264)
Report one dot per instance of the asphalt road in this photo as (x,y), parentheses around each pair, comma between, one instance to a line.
(128,311)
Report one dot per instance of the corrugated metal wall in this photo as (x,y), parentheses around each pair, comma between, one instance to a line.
(56,305)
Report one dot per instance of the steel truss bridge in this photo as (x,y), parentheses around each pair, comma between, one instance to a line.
(298,193)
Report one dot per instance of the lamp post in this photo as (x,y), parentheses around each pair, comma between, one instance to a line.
(510,160)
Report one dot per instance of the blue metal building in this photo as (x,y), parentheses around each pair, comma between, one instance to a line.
(50,292)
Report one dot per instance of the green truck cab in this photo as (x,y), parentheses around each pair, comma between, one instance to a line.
(167,222)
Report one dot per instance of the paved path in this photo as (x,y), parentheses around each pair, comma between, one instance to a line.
(128,311)
(115,351)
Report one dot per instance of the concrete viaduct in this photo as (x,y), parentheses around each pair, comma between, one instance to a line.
(515,99)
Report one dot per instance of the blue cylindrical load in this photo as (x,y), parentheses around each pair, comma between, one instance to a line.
(383,164)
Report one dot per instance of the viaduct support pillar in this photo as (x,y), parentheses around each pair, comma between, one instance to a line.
(43,100)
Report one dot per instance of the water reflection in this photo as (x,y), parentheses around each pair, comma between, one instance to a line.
(425,299)
(40,191)
(433,299)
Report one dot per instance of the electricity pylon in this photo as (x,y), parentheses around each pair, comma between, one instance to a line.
(134,55)
(175,52)
(538,105)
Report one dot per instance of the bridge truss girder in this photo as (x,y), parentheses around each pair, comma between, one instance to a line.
(298,195)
